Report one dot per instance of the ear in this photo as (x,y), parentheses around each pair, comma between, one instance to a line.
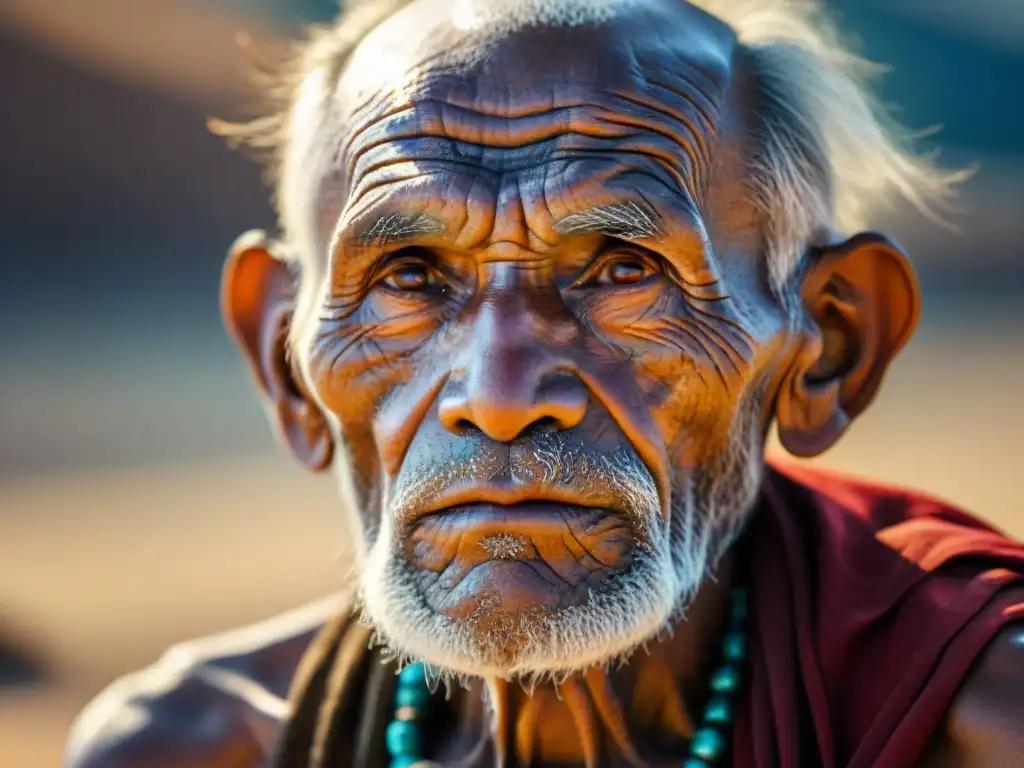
(257,301)
(863,302)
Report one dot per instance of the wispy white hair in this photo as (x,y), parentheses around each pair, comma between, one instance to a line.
(825,153)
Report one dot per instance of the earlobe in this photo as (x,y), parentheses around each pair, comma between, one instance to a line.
(257,302)
(862,304)
(809,414)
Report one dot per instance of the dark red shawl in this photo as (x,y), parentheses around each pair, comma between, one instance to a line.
(869,606)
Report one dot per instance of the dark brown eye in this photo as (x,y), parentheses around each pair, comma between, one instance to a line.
(408,277)
(626,271)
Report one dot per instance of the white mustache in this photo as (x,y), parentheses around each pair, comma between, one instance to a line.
(618,480)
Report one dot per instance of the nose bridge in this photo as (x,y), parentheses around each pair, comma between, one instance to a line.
(507,355)
(510,372)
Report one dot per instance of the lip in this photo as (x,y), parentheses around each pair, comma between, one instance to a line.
(511,495)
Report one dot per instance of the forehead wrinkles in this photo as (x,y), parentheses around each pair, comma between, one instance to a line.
(670,114)
(553,200)
(649,87)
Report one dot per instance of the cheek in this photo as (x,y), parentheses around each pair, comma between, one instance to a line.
(693,359)
(358,357)
(362,368)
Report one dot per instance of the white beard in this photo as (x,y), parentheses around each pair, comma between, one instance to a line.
(627,611)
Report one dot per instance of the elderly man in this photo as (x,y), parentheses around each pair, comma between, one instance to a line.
(548,272)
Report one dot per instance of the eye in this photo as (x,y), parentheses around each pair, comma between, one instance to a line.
(625,270)
(409,276)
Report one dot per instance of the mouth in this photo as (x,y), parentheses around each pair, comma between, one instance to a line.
(516,549)
(516,502)
(535,520)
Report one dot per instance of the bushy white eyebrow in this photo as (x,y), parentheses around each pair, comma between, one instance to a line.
(399,227)
(627,221)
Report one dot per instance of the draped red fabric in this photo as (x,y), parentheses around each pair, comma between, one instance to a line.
(869,605)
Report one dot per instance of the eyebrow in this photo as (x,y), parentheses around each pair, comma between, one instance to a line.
(395,228)
(628,221)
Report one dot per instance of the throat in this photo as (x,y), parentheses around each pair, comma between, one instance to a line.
(643,712)
(584,720)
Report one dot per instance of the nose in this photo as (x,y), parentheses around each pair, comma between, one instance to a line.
(509,378)
(509,399)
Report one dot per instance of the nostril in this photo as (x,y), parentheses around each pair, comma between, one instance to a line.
(546,424)
(465,427)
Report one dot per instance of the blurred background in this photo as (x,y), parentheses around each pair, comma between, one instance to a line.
(142,500)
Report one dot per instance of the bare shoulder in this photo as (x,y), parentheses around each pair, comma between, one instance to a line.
(217,701)
(985,724)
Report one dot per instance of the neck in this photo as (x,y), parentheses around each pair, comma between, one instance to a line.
(640,713)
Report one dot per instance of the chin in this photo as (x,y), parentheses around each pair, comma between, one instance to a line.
(496,633)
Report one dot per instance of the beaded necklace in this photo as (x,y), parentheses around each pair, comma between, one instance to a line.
(706,748)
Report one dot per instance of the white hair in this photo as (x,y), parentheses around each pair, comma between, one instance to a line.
(827,154)
(507,15)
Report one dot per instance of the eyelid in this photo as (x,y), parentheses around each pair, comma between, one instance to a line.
(623,252)
(389,263)
(438,279)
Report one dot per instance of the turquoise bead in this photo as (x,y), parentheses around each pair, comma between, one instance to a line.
(708,744)
(403,738)
(694,762)
(412,675)
(411,696)
(718,711)
(725,680)
(404,761)
(734,647)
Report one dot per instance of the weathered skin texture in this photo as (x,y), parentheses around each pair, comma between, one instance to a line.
(545,257)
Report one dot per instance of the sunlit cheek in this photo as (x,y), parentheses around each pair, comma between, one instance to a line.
(693,362)
(647,330)
(699,416)
(614,310)
(357,361)
(695,424)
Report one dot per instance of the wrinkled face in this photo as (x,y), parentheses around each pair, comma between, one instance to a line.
(541,331)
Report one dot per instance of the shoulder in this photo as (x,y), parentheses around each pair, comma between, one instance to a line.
(214,701)
(914,525)
(985,725)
